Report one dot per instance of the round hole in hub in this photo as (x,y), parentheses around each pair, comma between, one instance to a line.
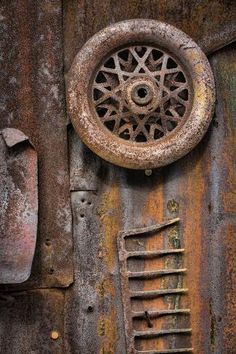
(142,92)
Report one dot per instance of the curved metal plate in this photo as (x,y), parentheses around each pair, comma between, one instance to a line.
(19,206)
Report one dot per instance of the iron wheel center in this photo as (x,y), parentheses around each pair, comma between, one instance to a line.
(142,94)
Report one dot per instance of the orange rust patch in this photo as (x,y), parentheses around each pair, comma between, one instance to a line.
(110,218)
(193,246)
(108,331)
(105,287)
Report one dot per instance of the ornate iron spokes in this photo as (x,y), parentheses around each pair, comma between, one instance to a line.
(141,94)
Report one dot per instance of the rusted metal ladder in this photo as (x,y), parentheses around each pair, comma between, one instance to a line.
(129,295)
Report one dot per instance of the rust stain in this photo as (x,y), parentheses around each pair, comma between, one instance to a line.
(173,206)
(166,239)
(137,334)
(229,193)
(109,213)
(193,244)
(224,201)
(105,288)
(108,332)
(154,210)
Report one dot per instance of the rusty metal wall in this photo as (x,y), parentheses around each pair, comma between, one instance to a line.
(210,23)
(193,188)
(32,100)
(199,188)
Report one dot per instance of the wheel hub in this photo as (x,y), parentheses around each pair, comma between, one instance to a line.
(141,95)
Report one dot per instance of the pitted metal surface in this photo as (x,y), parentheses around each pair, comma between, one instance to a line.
(140,106)
(18,207)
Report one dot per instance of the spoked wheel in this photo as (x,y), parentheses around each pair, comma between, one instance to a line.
(140,94)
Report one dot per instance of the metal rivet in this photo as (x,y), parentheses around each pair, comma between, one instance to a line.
(54,335)
(148,172)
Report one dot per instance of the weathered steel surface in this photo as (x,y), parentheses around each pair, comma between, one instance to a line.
(32,100)
(210,23)
(186,188)
(222,205)
(93,310)
(199,190)
(114,100)
(125,199)
(18,207)
(84,172)
(29,321)
(195,189)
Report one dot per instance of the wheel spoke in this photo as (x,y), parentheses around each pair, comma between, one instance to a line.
(110,99)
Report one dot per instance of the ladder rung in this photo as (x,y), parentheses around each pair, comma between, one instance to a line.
(163,332)
(154,293)
(153,274)
(152,254)
(147,229)
(165,351)
(153,314)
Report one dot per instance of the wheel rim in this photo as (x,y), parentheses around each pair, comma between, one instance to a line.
(163,145)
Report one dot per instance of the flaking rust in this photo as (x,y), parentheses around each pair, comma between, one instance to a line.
(19,206)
